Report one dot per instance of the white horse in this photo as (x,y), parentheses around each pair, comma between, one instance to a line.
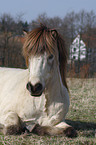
(36,99)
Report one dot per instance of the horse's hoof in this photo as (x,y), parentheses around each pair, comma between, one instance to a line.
(12,129)
(39,130)
(70,132)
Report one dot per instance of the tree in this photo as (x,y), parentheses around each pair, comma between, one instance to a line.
(26,26)
(7,23)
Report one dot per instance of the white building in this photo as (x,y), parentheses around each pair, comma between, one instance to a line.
(77,49)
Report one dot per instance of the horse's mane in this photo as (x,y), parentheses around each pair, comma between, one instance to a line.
(44,39)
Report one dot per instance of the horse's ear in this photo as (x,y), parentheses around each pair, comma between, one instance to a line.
(54,33)
(25,32)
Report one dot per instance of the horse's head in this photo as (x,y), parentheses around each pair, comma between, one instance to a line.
(44,52)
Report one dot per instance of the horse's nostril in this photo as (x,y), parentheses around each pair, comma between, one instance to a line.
(38,87)
(29,86)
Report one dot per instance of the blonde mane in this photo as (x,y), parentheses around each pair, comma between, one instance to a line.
(44,39)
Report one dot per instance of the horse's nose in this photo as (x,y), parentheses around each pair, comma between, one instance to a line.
(35,90)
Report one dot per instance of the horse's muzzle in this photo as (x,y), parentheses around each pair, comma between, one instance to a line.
(35,90)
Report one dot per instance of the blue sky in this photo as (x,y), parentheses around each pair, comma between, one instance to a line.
(32,8)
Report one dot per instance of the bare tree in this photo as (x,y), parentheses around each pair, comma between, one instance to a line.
(7,23)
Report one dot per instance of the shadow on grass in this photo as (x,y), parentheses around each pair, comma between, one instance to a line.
(79,125)
(87,128)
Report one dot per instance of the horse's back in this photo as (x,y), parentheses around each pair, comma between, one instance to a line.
(12,86)
(10,72)
(10,78)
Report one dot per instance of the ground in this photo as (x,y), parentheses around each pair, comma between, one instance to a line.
(81,115)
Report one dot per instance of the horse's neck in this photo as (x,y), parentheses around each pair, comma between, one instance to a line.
(53,93)
(54,88)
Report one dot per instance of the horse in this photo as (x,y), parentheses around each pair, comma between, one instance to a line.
(36,99)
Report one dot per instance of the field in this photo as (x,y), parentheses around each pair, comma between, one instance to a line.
(81,115)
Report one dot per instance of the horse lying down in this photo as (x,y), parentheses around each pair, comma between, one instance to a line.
(36,99)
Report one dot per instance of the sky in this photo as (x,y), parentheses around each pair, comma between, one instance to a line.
(31,9)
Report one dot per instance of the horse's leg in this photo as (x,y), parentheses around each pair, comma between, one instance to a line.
(1,128)
(67,129)
(12,124)
(46,130)
(60,129)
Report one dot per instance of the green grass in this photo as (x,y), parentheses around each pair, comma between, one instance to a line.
(81,115)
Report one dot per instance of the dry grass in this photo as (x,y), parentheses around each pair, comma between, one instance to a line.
(82,115)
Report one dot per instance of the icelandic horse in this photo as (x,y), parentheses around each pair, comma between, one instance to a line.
(36,99)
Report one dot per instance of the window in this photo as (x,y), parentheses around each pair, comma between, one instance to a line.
(74,57)
(74,49)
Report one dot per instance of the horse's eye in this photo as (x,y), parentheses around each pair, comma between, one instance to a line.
(50,57)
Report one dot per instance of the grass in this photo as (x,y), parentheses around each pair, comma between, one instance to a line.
(81,115)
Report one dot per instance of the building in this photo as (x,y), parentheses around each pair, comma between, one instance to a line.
(77,49)
(83,54)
